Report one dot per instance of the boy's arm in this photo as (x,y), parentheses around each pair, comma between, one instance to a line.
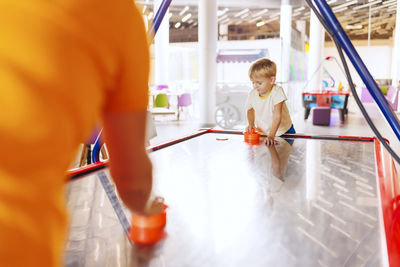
(276,121)
(130,166)
(250,119)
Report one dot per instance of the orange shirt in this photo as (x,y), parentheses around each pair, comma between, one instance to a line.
(62,63)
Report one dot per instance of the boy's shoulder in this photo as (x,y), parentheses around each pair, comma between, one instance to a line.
(276,89)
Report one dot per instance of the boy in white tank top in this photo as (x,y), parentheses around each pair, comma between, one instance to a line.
(265,105)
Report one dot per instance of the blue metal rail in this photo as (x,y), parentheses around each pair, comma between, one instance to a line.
(159,17)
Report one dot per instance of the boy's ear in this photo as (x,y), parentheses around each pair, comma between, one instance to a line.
(273,79)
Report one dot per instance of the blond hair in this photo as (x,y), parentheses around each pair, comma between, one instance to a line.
(262,68)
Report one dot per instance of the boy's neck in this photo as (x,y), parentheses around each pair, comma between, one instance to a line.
(267,92)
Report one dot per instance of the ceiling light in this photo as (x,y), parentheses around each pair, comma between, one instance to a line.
(186,8)
(260,13)
(241,12)
(296,13)
(345,4)
(260,23)
(275,15)
(222,12)
(353,27)
(255,19)
(225,21)
(223,17)
(244,15)
(386,4)
(340,9)
(177,25)
(367,5)
(331,2)
(144,9)
(299,9)
(185,18)
(270,20)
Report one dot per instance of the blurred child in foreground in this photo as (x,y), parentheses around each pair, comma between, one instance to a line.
(63,66)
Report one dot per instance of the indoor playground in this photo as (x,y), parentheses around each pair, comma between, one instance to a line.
(323,196)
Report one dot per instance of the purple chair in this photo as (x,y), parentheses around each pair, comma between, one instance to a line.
(392,97)
(184,100)
(161,87)
(366,96)
(321,115)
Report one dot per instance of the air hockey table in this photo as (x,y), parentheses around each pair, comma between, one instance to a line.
(326,98)
(308,201)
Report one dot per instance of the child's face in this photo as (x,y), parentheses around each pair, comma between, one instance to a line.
(262,84)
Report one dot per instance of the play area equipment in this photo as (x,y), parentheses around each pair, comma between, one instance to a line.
(148,230)
(331,99)
(321,115)
(318,214)
(252,137)
(330,95)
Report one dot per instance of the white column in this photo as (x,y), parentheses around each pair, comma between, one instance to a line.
(301,27)
(315,54)
(223,31)
(286,39)
(208,31)
(161,51)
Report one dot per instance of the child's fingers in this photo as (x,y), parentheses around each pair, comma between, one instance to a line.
(271,142)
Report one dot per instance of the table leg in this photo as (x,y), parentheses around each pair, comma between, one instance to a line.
(177,107)
(341,114)
(306,113)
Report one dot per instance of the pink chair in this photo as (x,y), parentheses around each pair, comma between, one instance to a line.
(184,100)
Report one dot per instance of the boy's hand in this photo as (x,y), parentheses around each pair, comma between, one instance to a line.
(249,128)
(154,206)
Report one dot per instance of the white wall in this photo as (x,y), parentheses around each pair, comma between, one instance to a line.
(378,60)
(182,60)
